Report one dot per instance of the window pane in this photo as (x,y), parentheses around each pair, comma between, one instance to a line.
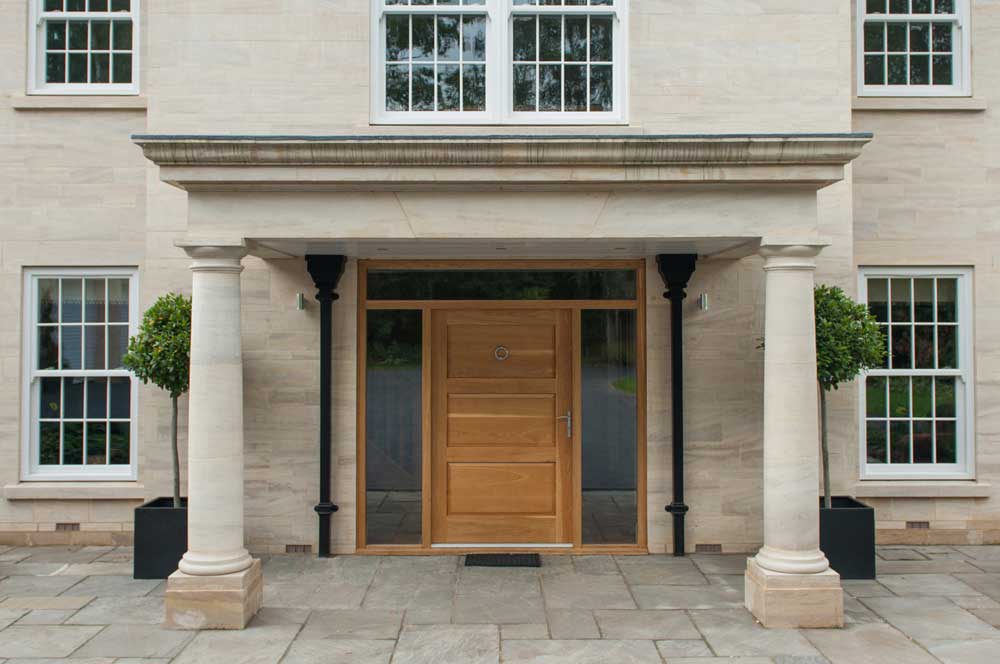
(72,338)
(901,347)
(943,70)
(524,87)
(608,420)
(601,88)
(423,39)
(121,5)
(55,35)
(78,35)
(121,399)
(117,345)
(76,5)
(77,68)
(474,87)
(448,88)
(97,398)
(94,310)
(922,397)
(49,398)
(923,300)
(920,70)
(98,5)
(944,397)
(55,68)
(947,347)
(53,5)
(901,299)
(549,88)
(899,397)
(423,87)
(119,439)
(100,35)
(600,39)
(397,37)
(878,299)
(897,70)
(100,68)
(923,347)
(501,284)
(550,38)
(397,88)
(48,300)
(72,297)
(122,68)
(945,439)
(474,38)
(48,347)
(575,46)
(942,37)
(875,396)
(899,6)
(923,442)
(93,347)
(875,37)
(48,443)
(393,427)
(874,70)
(72,443)
(896,37)
(123,35)
(118,300)
(876,6)
(73,398)
(944,6)
(524,38)
(899,442)
(920,37)
(876,439)
(947,297)
(97,441)
(448,39)
(922,6)
(576,88)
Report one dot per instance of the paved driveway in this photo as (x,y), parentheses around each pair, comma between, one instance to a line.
(930,604)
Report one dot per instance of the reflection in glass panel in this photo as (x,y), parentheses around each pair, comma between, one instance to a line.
(501,284)
(609,444)
(48,443)
(876,441)
(878,299)
(119,444)
(393,430)
(72,443)
(875,396)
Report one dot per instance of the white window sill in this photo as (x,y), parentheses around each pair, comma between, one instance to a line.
(923,489)
(78,103)
(75,491)
(919,104)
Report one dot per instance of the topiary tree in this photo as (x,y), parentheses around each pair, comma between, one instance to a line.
(848,341)
(161,354)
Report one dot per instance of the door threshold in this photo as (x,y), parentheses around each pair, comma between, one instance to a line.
(501,546)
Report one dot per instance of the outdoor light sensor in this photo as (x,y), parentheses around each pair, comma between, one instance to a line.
(703,301)
(300,301)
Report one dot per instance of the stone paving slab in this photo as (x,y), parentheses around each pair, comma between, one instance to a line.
(646,625)
(254,645)
(450,644)
(120,611)
(580,652)
(45,617)
(44,640)
(734,633)
(867,644)
(345,651)
(672,649)
(135,641)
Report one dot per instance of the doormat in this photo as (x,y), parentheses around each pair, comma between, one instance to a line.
(503,560)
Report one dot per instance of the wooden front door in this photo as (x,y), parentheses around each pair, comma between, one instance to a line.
(502,445)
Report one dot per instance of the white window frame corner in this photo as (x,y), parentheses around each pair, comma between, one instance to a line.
(35,71)
(499,103)
(30,471)
(965,466)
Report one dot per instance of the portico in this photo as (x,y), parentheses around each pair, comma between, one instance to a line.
(723,198)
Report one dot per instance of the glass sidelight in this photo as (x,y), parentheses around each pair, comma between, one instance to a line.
(393,427)
(609,436)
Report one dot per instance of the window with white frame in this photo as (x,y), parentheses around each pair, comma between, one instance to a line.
(79,400)
(913,48)
(498,61)
(917,408)
(83,47)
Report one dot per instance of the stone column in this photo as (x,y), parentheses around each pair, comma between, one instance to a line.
(789,582)
(218,585)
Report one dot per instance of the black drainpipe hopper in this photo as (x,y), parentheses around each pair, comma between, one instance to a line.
(676,271)
(325,271)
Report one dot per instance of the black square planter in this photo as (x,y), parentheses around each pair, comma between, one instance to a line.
(847,537)
(160,538)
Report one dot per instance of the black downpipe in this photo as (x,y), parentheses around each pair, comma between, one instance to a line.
(676,271)
(326,271)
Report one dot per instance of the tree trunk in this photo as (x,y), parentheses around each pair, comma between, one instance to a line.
(173,444)
(825,445)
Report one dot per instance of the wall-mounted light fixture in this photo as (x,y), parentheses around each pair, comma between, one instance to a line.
(703,301)
(300,301)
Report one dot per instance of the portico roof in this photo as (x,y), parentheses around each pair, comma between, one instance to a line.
(203,162)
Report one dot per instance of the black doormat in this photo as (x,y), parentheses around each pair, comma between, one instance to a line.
(503,560)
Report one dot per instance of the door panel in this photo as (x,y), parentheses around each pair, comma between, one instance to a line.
(501,455)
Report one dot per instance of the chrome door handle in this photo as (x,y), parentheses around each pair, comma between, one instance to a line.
(569,422)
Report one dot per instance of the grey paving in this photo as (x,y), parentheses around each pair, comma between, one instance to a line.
(76,603)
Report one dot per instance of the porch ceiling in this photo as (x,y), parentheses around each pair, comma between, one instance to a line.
(399,162)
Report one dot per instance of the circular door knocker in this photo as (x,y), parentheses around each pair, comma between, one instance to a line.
(501,353)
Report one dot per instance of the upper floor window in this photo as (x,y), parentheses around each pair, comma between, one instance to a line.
(79,400)
(917,408)
(84,47)
(498,61)
(917,48)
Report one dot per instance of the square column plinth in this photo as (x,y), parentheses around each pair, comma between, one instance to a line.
(226,601)
(795,601)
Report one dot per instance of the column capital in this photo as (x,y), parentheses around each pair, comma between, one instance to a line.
(215,257)
(791,256)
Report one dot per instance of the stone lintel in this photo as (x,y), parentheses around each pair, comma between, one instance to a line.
(796,601)
(227,601)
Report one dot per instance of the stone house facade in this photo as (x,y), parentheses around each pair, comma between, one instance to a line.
(478,176)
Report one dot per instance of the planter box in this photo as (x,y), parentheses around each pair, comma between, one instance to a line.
(160,538)
(847,537)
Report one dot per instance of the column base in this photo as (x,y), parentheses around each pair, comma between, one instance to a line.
(795,601)
(227,601)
